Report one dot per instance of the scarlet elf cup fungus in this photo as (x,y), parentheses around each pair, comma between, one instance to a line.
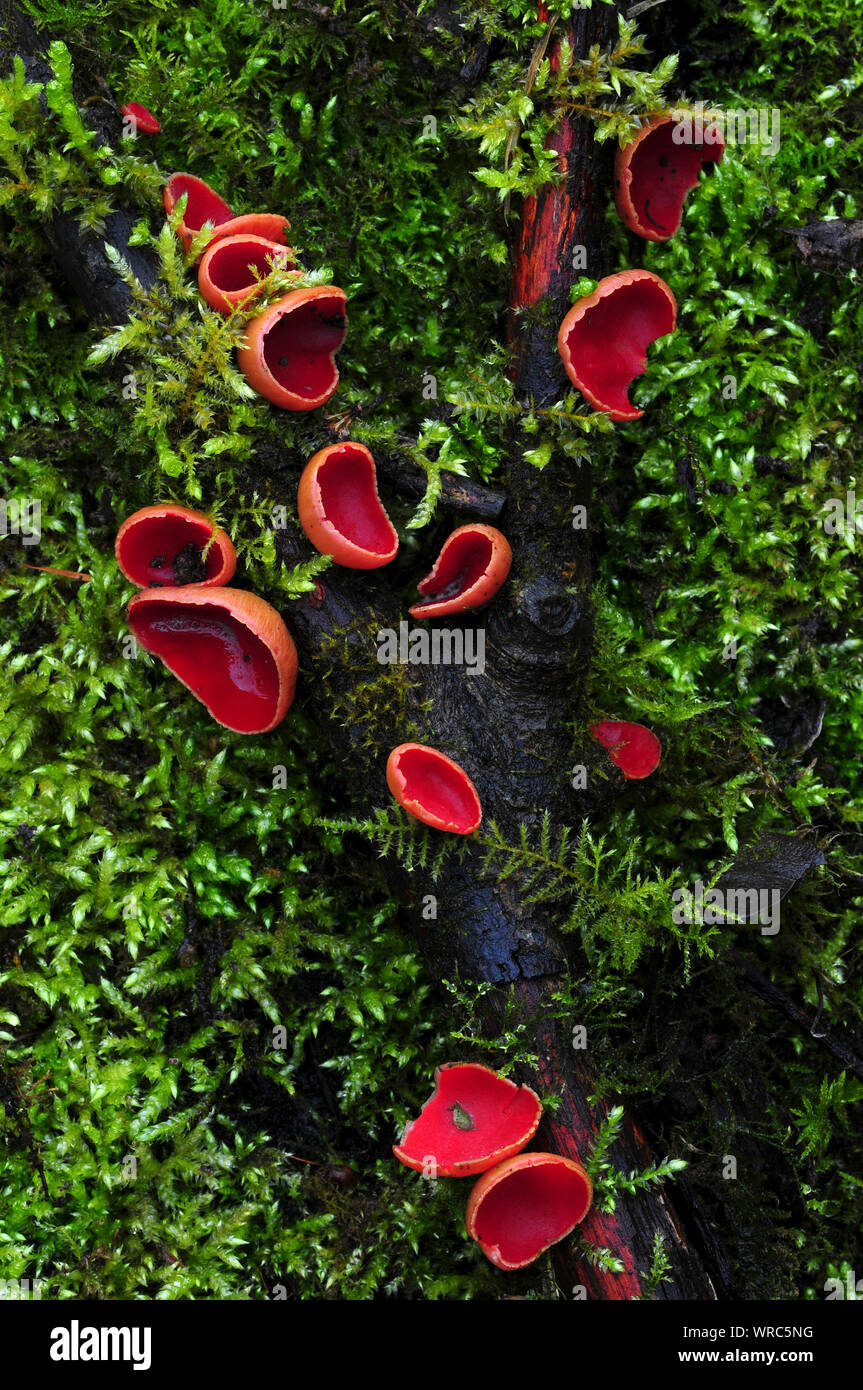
(473,564)
(633,748)
(518,1209)
(340,510)
(289,352)
(473,1120)
(653,174)
(604,338)
(203,204)
(224,275)
(164,546)
(433,788)
(143,119)
(230,648)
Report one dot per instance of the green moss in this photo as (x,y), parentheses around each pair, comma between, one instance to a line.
(172,896)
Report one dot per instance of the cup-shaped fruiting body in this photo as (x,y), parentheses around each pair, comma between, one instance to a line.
(433,788)
(143,119)
(288,355)
(653,174)
(164,546)
(604,338)
(473,564)
(473,1120)
(230,648)
(633,748)
(232,269)
(340,510)
(203,204)
(518,1209)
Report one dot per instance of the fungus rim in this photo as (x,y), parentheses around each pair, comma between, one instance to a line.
(235,607)
(606,290)
(482,586)
(624,178)
(494,1177)
(218,540)
(224,300)
(456,1168)
(397,781)
(252,355)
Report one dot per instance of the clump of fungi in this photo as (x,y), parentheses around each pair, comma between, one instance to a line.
(476,1121)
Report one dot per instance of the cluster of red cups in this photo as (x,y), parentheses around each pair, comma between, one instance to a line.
(479,1122)
(289,351)
(230,647)
(603,339)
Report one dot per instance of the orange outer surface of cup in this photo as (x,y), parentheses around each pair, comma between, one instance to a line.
(223,301)
(321,532)
(254,613)
(483,590)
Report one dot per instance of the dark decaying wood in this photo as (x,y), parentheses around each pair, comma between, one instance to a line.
(511,726)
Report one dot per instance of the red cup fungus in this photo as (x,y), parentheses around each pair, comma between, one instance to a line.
(224,276)
(340,510)
(288,356)
(473,1120)
(144,119)
(633,748)
(433,788)
(203,204)
(518,1209)
(164,546)
(604,338)
(652,176)
(473,564)
(230,648)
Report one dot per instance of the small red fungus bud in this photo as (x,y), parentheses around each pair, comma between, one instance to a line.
(229,647)
(633,748)
(473,1120)
(433,788)
(288,357)
(144,119)
(340,510)
(518,1209)
(604,338)
(203,204)
(652,176)
(224,277)
(473,564)
(150,542)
